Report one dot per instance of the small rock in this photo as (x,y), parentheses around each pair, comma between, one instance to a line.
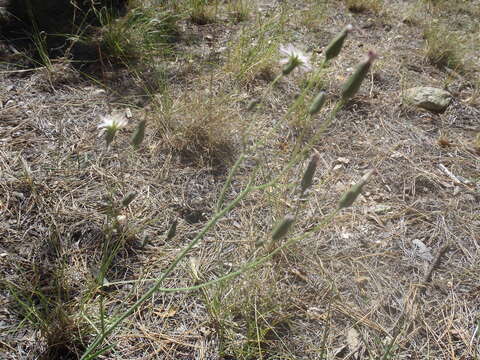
(18,195)
(353,339)
(380,209)
(422,250)
(343,160)
(428,98)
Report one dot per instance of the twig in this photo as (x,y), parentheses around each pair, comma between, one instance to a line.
(436,261)
(455,179)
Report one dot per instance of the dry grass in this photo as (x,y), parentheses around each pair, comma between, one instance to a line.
(72,258)
(194,124)
(444,48)
(360,6)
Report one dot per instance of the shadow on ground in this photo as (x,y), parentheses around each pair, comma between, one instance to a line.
(54,28)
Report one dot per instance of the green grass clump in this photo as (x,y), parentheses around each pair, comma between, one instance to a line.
(253,54)
(443,48)
(202,12)
(50,310)
(139,36)
(239,10)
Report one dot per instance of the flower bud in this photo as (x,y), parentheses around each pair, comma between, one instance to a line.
(129,198)
(333,49)
(290,65)
(282,228)
(172,231)
(139,134)
(351,195)
(307,179)
(110,135)
(252,104)
(317,103)
(351,87)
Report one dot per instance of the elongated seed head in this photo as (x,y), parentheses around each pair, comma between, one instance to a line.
(335,46)
(282,228)
(139,134)
(129,198)
(317,103)
(172,231)
(290,66)
(110,135)
(351,195)
(307,178)
(351,87)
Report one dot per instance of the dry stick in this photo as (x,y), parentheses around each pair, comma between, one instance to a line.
(436,261)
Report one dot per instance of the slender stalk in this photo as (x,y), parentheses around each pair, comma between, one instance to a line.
(244,268)
(172,266)
(242,156)
(159,281)
(102,315)
(232,172)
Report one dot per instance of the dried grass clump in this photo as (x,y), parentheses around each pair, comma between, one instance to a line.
(443,48)
(201,128)
(361,6)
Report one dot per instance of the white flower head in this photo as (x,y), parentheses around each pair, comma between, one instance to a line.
(293,58)
(110,125)
(113,122)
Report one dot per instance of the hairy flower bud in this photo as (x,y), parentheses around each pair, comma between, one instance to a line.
(351,87)
(282,228)
(139,134)
(109,136)
(252,104)
(317,103)
(129,198)
(351,195)
(290,66)
(307,178)
(172,230)
(333,49)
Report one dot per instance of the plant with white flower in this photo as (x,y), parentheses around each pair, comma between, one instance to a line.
(110,124)
(293,58)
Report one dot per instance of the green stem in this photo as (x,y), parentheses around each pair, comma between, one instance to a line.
(249,188)
(155,287)
(243,269)
(229,180)
(102,314)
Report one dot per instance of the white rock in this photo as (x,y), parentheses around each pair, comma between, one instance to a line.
(429,98)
